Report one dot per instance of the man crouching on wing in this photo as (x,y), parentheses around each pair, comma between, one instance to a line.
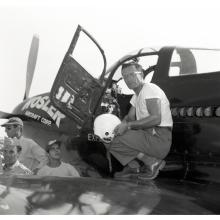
(146,131)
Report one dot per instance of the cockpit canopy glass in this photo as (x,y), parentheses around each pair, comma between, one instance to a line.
(146,57)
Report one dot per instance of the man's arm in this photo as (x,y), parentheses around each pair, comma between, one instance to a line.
(40,155)
(131,116)
(122,127)
(154,118)
(73,171)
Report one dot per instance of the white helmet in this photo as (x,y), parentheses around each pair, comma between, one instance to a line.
(104,126)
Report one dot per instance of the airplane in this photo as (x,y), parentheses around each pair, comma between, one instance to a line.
(189,183)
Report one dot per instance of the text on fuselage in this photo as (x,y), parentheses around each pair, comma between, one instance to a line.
(43,103)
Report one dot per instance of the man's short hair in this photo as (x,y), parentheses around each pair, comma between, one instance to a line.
(132,63)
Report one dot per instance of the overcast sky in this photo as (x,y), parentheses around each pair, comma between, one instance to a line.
(120,26)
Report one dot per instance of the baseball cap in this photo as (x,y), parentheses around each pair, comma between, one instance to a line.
(13,121)
(51,143)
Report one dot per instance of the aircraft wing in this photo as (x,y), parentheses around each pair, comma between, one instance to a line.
(5,115)
(54,195)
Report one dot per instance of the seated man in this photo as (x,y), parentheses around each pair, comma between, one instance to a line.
(12,166)
(146,131)
(55,166)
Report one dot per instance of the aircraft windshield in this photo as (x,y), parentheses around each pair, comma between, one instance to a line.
(133,53)
(145,58)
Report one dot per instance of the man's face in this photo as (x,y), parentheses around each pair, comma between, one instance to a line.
(132,77)
(10,155)
(55,151)
(11,130)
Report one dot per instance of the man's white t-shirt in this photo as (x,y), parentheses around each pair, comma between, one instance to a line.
(150,91)
(64,170)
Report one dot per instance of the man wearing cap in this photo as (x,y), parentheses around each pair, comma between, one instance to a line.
(55,166)
(32,155)
(12,166)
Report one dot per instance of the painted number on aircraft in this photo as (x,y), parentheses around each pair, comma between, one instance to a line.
(64,96)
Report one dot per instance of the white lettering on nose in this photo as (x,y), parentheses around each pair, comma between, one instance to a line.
(46,121)
(43,103)
(45,108)
(58,116)
(27,104)
(35,102)
(51,111)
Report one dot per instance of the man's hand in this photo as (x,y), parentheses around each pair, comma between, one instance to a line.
(120,129)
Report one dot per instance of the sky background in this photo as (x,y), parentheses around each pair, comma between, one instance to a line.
(119,26)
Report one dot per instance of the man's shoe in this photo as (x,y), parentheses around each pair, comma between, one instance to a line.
(153,171)
(127,172)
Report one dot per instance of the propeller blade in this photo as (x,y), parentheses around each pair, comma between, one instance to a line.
(32,59)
